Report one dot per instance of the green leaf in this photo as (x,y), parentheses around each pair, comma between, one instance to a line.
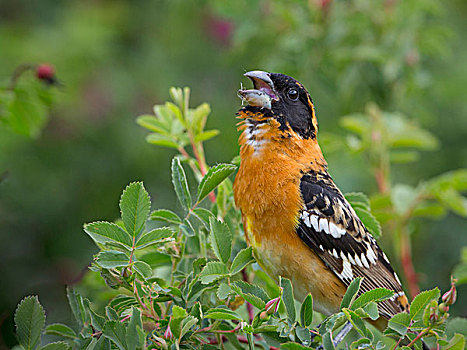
(242,260)
(370,222)
(97,321)
(306,311)
(104,232)
(206,135)
(110,259)
(135,206)
(223,291)
(59,345)
(60,330)
(253,294)
(135,326)
(351,293)
(294,346)
(166,216)
(180,183)
(203,215)
(453,200)
(162,140)
(356,322)
(358,199)
(77,306)
(456,343)
(157,235)
(29,321)
(421,301)
(221,239)
(188,322)
(287,298)
(327,341)
(143,269)
(116,332)
(151,123)
(400,323)
(213,178)
(375,295)
(213,270)
(222,314)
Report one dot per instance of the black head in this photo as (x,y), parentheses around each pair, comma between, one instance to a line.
(285,99)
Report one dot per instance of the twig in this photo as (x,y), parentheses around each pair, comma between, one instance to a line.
(249,307)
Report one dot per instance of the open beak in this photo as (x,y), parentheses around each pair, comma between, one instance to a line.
(263,93)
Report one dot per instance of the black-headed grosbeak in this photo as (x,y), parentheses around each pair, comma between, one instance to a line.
(296,219)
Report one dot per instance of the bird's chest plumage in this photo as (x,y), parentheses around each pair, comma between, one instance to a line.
(267,191)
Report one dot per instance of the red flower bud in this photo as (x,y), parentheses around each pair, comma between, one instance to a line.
(451,295)
(272,305)
(264,315)
(46,73)
(443,307)
(168,333)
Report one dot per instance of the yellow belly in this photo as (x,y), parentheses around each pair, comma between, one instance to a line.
(292,259)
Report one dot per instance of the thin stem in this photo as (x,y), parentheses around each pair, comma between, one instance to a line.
(419,336)
(249,307)
(407,264)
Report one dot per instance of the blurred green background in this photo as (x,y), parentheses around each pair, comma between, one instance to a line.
(116,59)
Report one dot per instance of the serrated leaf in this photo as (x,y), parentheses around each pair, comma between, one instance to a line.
(287,298)
(180,183)
(77,306)
(110,259)
(351,293)
(221,239)
(135,205)
(203,215)
(97,321)
(358,198)
(60,330)
(222,314)
(143,269)
(375,295)
(243,259)
(157,235)
(187,228)
(253,294)
(223,291)
(29,321)
(400,323)
(370,222)
(104,232)
(135,326)
(306,311)
(59,345)
(213,270)
(116,332)
(213,178)
(421,301)
(166,216)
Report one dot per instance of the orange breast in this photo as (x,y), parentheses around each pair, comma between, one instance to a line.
(267,190)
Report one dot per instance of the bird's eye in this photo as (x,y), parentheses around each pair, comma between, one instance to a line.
(293,94)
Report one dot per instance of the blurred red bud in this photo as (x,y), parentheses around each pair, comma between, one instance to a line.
(272,306)
(451,295)
(46,72)
(434,318)
(264,316)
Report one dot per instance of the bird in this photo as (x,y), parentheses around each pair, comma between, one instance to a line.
(295,218)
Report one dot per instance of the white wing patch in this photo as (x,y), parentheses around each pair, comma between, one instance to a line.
(346,270)
(322,225)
